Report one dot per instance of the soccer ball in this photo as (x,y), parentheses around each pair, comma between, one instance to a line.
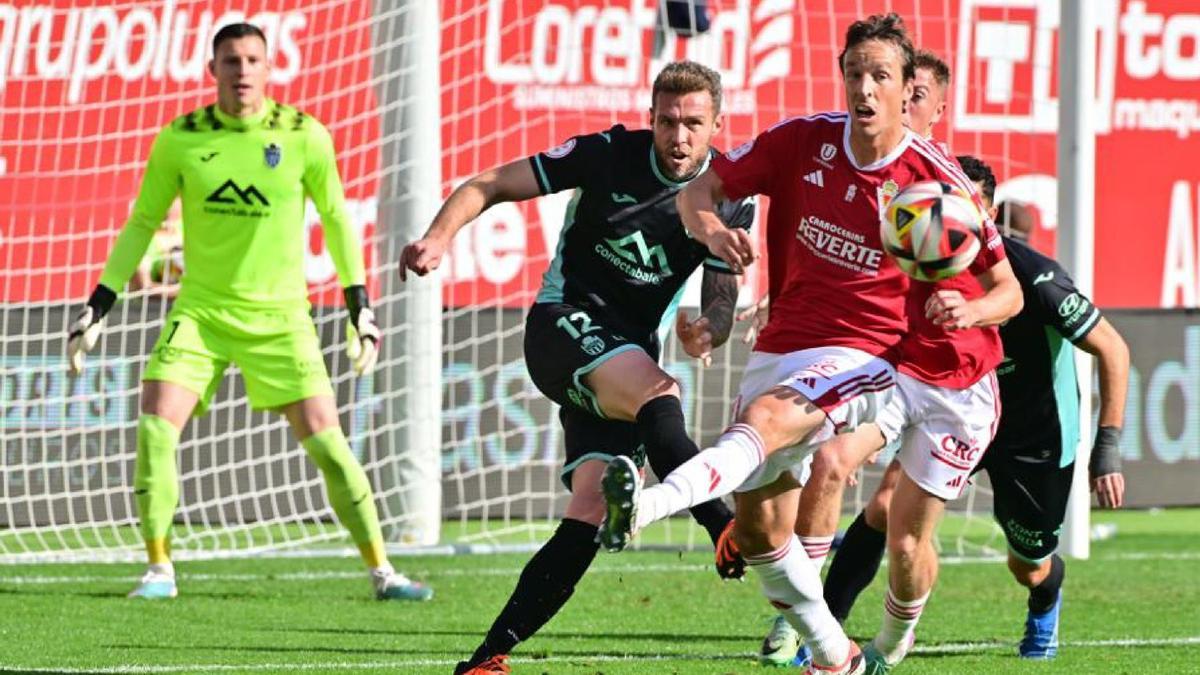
(932,230)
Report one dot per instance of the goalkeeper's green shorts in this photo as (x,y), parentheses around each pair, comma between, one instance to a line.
(278,353)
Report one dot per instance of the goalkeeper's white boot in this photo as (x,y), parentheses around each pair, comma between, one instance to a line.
(392,585)
(156,584)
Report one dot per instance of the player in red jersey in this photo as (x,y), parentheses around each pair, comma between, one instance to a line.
(829,468)
(948,411)
(949,404)
(819,365)
(820,502)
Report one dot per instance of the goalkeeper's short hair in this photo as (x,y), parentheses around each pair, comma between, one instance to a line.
(237,30)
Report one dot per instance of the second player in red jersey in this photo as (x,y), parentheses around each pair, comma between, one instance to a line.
(950,348)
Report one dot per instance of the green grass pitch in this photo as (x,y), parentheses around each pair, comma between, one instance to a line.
(1133,608)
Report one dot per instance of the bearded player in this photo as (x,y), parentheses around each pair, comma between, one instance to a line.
(591,341)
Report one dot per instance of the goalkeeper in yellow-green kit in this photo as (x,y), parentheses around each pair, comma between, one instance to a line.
(243,167)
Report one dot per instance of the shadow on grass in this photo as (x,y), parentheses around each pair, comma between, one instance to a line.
(552,634)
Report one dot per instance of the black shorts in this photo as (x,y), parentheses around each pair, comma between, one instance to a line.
(588,437)
(563,343)
(1030,494)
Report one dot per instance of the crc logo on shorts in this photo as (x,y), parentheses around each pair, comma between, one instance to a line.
(815,372)
(957,453)
(592,345)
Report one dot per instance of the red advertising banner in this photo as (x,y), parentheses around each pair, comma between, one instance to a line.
(86,85)
(519,76)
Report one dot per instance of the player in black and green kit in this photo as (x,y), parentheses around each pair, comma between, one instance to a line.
(591,341)
(243,167)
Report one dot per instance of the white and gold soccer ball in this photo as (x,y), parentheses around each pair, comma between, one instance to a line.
(932,230)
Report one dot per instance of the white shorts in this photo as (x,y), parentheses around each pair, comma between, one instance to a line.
(849,385)
(881,462)
(945,431)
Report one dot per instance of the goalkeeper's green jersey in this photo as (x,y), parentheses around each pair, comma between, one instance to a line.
(243,183)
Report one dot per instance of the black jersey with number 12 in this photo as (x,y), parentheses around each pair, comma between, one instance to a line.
(623,248)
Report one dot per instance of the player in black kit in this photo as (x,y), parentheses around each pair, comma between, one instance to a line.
(591,342)
(1032,458)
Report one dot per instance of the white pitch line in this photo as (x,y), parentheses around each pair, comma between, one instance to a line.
(316,576)
(970,647)
(356,665)
(948,648)
(505,571)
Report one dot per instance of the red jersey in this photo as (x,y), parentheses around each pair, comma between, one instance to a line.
(829,280)
(954,359)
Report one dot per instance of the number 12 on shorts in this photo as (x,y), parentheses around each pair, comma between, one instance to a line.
(585,324)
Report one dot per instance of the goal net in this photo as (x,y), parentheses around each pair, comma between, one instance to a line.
(87,84)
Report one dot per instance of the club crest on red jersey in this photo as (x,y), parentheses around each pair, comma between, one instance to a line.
(885,193)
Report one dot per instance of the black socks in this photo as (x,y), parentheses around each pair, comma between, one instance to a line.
(854,566)
(546,583)
(661,429)
(1043,596)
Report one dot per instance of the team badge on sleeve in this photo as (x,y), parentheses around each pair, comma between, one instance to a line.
(560,151)
(272,154)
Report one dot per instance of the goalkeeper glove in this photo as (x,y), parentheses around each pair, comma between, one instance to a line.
(85,331)
(362,334)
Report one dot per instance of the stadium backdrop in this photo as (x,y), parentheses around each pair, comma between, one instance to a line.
(109,81)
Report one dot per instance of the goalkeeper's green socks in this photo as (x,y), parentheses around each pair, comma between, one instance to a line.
(156,484)
(349,491)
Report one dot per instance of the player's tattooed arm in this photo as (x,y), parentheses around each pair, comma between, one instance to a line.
(718,299)
(718,295)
